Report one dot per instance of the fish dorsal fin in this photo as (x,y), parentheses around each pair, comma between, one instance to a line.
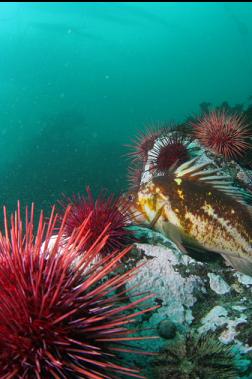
(191,169)
(199,172)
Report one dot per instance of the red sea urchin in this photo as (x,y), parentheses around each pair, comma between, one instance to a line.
(56,323)
(170,149)
(143,143)
(225,134)
(105,211)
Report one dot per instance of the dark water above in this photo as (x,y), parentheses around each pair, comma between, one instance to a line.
(77,80)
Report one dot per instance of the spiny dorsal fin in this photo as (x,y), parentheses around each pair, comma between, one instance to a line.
(192,171)
(189,168)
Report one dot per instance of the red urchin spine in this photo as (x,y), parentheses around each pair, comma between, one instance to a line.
(143,143)
(134,177)
(57,322)
(105,210)
(225,134)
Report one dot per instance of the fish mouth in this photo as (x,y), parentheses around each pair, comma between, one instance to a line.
(136,216)
(127,206)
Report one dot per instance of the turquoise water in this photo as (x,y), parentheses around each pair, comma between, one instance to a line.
(77,80)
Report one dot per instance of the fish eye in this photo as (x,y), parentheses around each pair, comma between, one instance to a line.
(130,197)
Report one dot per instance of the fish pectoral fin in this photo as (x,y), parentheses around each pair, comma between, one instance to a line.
(174,235)
(155,220)
(241,264)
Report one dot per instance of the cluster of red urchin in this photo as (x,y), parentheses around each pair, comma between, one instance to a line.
(56,322)
(224,133)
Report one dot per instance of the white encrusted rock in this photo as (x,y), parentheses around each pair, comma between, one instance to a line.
(215,318)
(201,296)
(217,284)
(244,279)
(161,274)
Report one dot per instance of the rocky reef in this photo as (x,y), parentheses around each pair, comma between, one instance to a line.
(199,294)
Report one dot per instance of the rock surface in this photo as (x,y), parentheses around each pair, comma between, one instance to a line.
(194,296)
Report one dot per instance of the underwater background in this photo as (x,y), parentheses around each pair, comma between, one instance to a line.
(78,80)
(152,101)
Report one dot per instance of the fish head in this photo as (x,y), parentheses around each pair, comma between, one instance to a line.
(133,209)
(146,203)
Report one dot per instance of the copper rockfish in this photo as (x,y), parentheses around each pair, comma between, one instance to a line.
(194,207)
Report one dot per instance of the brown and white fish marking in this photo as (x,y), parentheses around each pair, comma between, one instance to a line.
(195,207)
